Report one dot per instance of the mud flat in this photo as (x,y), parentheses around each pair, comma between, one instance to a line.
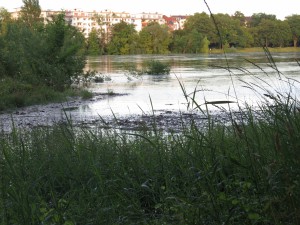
(50,114)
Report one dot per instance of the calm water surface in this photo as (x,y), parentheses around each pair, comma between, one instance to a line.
(245,77)
(215,77)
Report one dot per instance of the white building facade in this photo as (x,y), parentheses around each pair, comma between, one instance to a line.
(100,20)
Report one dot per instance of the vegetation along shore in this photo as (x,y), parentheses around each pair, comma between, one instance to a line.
(245,170)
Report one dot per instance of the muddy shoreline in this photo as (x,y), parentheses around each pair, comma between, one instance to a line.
(53,113)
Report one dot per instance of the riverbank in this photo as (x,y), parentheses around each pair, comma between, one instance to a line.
(241,166)
(245,172)
(16,94)
(167,121)
(256,49)
(126,98)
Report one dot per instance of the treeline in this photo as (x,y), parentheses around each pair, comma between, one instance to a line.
(199,35)
(37,59)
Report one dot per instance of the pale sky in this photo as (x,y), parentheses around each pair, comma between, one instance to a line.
(281,8)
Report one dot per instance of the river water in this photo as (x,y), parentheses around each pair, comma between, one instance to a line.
(233,77)
(215,77)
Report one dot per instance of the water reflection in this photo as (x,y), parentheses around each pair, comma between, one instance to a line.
(216,77)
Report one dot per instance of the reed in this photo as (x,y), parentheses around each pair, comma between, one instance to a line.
(246,172)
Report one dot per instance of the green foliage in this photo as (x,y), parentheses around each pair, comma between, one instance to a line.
(154,39)
(274,33)
(5,18)
(204,45)
(245,38)
(30,12)
(240,17)
(16,94)
(155,67)
(203,24)
(188,42)
(49,57)
(94,43)
(85,94)
(232,30)
(294,22)
(241,174)
(257,18)
(123,39)
(46,57)
(64,58)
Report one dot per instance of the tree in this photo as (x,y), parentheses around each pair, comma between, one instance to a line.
(94,44)
(155,39)
(189,42)
(294,23)
(257,18)
(5,18)
(240,17)
(36,62)
(30,12)
(283,34)
(231,31)
(274,33)
(204,25)
(178,43)
(63,53)
(48,57)
(123,39)
(104,28)
(245,38)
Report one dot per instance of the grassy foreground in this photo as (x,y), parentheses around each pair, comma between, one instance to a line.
(247,173)
(15,94)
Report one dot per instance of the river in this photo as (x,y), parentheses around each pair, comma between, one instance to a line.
(216,77)
(232,77)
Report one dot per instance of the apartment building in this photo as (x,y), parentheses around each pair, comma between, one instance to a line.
(104,20)
(150,17)
(46,15)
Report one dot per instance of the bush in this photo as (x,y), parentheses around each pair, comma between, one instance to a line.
(48,55)
(155,67)
(85,94)
(15,94)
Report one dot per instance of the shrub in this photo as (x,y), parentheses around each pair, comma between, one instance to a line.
(155,67)
(85,94)
(49,56)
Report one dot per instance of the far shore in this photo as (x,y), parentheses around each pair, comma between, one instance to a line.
(255,49)
(244,50)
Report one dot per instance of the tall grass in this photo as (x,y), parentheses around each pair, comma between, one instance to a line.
(246,173)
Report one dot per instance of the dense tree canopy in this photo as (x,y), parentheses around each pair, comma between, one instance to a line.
(257,18)
(49,56)
(123,39)
(189,42)
(240,17)
(202,32)
(272,33)
(204,25)
(154,39)
(294,23)
(30,12)
(94,44)
(5,18)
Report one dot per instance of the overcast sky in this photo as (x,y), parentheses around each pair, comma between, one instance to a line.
(281,8)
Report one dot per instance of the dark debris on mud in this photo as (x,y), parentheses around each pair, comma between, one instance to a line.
(51,114)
